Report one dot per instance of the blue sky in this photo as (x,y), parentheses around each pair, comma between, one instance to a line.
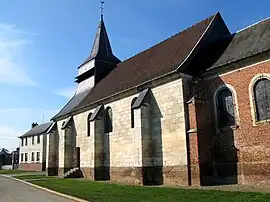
(43,41)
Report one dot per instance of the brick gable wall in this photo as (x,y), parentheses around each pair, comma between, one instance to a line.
(251,141)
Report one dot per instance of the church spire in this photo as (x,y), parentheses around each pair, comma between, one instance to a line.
(101,49)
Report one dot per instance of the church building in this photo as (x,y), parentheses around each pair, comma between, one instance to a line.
(191,110)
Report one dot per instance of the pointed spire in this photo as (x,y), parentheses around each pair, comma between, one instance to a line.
(101,47)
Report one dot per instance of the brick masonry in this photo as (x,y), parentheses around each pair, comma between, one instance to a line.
(31,166)
(251,140)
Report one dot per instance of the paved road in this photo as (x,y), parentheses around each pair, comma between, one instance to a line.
(14,191)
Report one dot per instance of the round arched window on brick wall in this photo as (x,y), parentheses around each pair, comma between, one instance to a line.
(225,108)
(261,94)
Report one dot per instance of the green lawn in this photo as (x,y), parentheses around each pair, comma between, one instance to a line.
(98,191)
(25,177)
(7,172)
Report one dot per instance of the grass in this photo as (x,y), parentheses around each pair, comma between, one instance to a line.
(25,177)
(98,191)
(9,172)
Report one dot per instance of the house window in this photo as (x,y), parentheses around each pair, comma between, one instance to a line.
(22,141)
(33,156)
(26,141)
(33,140)
(38,156)
(132,113)
(88,124)
(38,139)
(262,99)
(25,157)
(225,108)
(108,123)
(21,157)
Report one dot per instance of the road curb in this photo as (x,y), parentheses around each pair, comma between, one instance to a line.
(47,190)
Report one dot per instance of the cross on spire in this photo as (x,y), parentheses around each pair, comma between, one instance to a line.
(101,8)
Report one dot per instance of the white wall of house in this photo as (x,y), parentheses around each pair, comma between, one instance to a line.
(32,147)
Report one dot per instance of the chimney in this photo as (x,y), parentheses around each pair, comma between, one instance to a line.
(34,124)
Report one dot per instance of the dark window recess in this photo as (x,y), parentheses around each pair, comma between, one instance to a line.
(38,139)
(262,99)
(26,157)
(33,156)
(225,108)
(108,124)
(22,141)
(21,157)
(26,141)
(38,156)
(132,112)
(88,125)
(33,140)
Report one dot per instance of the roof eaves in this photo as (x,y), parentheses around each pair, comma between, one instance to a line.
(235,60)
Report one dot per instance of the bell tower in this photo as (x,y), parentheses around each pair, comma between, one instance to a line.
(100,61)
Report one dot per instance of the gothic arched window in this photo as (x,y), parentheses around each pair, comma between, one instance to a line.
(225,108)
(132,112)
(262,99)
(88,124)
(108,122)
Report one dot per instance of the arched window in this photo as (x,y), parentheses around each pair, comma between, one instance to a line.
(225,108)
(108,122)
(88,124)
(132,113)
(262,99)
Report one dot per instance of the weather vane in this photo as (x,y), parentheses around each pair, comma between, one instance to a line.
(102,7)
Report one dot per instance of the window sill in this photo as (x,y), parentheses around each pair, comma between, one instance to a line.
(258,123)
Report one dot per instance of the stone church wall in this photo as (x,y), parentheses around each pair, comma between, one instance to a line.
(129,160)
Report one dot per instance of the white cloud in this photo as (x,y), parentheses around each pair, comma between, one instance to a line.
(12,44)
(66,92)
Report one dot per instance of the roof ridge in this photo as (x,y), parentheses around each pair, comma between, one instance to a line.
(254,24)
(161,42)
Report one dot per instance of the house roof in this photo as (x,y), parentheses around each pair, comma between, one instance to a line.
(159,60)
(39,129)
(245,43)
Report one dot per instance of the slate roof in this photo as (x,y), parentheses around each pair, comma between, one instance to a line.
(39,129)
(73,103)
(156,61)
(245,43)
(101,49)
(163,58)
